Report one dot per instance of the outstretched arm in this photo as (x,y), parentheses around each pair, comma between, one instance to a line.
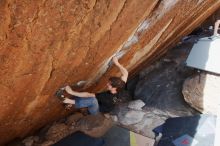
(78,94)
(217,23)
(123,70)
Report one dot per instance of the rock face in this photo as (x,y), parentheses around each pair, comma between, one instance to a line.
(131,117)
(160,85)
(47,44)
(202,92)
(94,126)
(136,104)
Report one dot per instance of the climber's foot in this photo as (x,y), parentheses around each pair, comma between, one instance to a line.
(60,94)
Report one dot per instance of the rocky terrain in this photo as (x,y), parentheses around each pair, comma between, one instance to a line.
(157,96)
(46,44)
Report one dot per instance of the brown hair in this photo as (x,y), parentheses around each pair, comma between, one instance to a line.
(117,83)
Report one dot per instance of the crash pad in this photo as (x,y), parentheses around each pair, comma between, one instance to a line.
(80,139)
(196,130)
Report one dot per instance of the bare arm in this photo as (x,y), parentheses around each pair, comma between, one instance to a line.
(78,94)
(217,23)
(123,70)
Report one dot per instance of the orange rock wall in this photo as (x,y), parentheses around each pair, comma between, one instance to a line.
(45,44)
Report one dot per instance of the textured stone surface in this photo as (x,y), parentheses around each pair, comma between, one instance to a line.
(131,117)
(46,44)
(142,122)
(160,84)
(72,120)
(136,104)
(57,131)
(29,141)
(95,126)
(202,92)
(160,87)
(149,122)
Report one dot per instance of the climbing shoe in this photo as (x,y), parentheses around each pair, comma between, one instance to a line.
(60,94)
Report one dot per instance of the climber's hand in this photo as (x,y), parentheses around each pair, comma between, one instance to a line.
(217,23)
(115,60)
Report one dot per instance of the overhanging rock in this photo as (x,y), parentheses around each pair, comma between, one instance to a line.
(47,44)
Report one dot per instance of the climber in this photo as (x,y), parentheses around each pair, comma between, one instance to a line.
(104,101)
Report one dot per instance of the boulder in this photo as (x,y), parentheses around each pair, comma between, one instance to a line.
(148,123)
(94,126)
(29,141)
(140,121)
(160,85)
(202,92)
(73,119)
(48,44)
(57,131)
(136,104)
(131,117)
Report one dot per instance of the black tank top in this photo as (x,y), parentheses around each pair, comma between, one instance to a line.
(106,101)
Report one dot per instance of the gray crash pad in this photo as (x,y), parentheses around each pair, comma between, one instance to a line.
(205,55)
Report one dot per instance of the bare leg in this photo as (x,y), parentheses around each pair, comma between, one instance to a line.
(69,101)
